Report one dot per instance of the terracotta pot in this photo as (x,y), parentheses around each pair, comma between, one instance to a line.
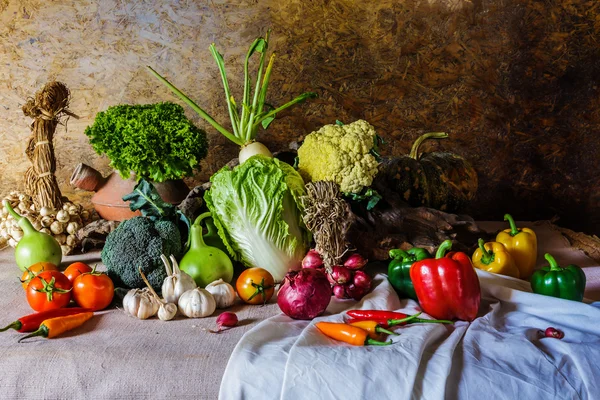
(108,200)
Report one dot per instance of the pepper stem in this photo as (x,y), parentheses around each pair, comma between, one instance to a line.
(414,151)
(397,254)
(488,256)
(444,247)
(380,329)
(43,331)
(513,226)
(374,342)
(553,264)
(15,325)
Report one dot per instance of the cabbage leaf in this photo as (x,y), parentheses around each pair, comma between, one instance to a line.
(256,209)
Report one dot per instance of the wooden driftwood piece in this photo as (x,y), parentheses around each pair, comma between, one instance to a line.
(393,224)
(93,235)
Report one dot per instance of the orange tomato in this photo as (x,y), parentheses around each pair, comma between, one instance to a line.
(76,269)
(35,269)
(93,290)
(255,286)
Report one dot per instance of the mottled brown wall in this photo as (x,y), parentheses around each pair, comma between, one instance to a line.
(515,82)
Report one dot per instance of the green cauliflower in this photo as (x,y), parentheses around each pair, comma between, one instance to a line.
(342,154)
(139,242)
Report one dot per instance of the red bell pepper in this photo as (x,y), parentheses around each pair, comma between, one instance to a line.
(447,286)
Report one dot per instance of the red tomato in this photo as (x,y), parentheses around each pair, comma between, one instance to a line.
(255,286)
(76,269)
(49,290)
(35,269)
(93,290)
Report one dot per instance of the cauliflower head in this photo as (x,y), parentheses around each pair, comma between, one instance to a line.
(341,154)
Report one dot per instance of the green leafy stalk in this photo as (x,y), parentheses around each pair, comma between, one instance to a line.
(250,129)
(221,64)
(259,45)
(303,97)
(196,108)
(245,122)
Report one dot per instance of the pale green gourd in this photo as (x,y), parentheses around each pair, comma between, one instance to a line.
(35,246)
(205,263)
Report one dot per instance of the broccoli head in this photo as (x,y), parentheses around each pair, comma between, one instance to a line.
(139,242)
(341,154)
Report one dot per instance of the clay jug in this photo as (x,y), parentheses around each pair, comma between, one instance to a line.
(108,200)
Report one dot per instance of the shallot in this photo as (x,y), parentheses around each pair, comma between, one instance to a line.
(312,259)
(355,261)
(361,279)
(339,275)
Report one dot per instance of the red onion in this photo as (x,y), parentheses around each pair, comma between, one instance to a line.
(339,291)
(355,261)
(554,333)
(361,279)
(227,319)
(339,275)
(312,259)
(356,292)
(304,294)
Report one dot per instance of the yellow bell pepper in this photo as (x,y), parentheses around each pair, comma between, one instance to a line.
(493,257)
(522,246)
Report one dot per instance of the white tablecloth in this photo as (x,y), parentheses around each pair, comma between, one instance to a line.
(500,355)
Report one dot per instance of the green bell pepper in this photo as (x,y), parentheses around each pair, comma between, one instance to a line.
(553,280)
(399,270)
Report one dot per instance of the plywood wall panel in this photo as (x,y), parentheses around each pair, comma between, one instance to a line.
(514,82)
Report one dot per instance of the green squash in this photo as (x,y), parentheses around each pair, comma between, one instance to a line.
(440,180)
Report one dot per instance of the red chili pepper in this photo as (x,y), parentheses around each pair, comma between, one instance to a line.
(32,322)
(447,287)
(372,315)
(375,316)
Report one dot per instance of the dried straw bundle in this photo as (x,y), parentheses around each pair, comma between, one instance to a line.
(325,215)
(48,106)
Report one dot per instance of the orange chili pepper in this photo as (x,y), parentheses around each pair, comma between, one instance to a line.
(349,334)
(53,327)
(373,328)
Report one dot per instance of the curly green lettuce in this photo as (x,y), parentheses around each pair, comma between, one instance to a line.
(155,141)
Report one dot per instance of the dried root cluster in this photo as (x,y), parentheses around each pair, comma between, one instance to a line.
(62,224)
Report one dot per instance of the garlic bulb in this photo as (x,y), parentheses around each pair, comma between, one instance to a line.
(61,238)
(71,240)
(140,303)
(197,303)
(57,227)
(167,311)
(46,221)
(72,228)
(66,250)
(45,211)
(223,293)
(17,234)
(46,230)
(62,216)
(177,281)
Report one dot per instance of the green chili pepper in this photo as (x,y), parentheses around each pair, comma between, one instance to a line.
(399,270)
(553,280)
